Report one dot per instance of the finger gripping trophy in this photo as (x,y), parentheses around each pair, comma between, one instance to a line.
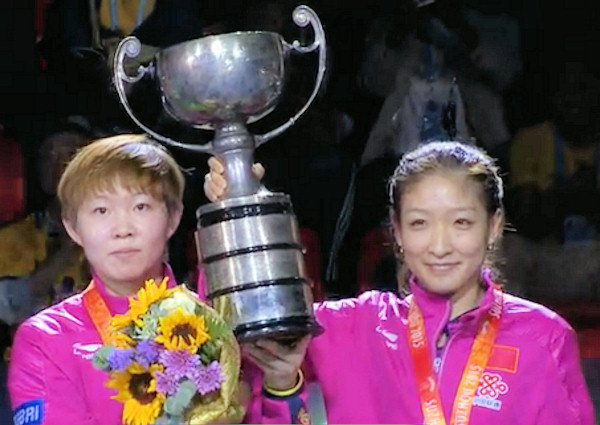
(249,242)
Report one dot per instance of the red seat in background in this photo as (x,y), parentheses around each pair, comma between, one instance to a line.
(40,19)
(589,343)
(374,246)
(584,317)
(12,180)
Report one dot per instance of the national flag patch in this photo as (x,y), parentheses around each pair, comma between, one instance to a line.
(505,358)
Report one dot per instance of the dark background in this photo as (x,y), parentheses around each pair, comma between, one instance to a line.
(552,33)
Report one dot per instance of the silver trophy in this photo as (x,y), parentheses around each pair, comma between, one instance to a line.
(249,243)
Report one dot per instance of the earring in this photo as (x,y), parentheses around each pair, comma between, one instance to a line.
(399,250)
(490,246)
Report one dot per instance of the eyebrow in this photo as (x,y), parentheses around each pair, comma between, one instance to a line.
(109,193)
(459,209)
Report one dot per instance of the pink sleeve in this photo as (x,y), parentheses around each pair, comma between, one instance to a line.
(567,391)
(40,391)
(202,284)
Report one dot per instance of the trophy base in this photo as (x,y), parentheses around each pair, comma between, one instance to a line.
(254,264)
(286,331)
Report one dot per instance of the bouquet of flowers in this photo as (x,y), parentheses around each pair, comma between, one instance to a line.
(172,359)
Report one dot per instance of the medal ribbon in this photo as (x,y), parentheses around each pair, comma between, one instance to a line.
(98,311)
(431,402)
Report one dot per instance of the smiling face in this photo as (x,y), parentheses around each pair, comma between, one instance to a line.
(124,235)
(444,229)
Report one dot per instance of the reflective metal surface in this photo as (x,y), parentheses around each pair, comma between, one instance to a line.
(214,81)
(229,77)
(253,260)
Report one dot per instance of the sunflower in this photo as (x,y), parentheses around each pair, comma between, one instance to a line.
(122,340)
(121,321)
(181,331)
(146,296)
(137,390)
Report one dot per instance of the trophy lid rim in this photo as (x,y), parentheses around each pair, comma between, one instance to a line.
(212,37)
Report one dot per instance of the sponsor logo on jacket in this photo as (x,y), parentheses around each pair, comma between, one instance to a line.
(492,386)
(30,413)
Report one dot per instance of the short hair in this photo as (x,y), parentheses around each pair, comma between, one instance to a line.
(133,161)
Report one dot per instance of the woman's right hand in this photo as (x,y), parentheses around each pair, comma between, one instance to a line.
(215,182)
(279,363)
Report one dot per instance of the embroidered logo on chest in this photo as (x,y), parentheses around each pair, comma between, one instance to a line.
(491,387)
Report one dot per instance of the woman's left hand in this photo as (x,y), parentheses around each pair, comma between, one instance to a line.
(279,363)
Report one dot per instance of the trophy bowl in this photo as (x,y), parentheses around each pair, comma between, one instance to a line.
(223,78)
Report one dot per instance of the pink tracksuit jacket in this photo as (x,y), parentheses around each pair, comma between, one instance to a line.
(51,379)
(363,364)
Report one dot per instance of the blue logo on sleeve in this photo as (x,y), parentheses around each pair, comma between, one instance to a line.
(30,413)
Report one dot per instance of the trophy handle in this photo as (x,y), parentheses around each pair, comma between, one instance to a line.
(302,16)
(131,47)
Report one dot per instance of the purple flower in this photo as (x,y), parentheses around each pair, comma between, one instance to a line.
(207,379)
(166,383)
(146,353)
(179,363)
(119,359)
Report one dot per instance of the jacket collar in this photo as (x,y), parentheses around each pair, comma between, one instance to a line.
(436,308)
(120,304)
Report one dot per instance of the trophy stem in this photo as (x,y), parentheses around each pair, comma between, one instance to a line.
(234,146)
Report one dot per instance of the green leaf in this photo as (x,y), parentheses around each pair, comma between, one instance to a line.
(187,391)
(155,310)
(166,419)
(100,359)
(217,329)
(205,359)
(175,405)
(149,329)
(209,349)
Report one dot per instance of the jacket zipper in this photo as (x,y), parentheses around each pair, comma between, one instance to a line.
(443,360)
(437,336)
